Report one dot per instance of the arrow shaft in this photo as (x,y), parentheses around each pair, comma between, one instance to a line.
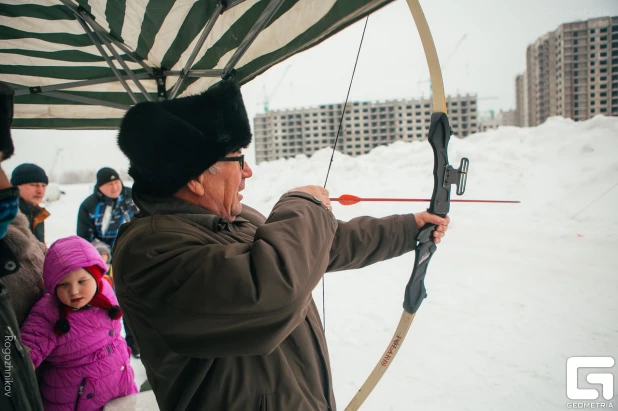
(394,200)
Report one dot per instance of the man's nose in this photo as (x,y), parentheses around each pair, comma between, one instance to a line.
(247,171)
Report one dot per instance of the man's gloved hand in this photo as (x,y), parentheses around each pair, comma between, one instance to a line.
(6,119)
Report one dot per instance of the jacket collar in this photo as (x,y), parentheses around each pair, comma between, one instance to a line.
(150,206)
(29,209)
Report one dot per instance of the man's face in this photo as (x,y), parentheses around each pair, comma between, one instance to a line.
(111,189)
(225,186)
(32,193)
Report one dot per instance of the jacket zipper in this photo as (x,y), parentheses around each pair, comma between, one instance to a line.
(79,393)
(328,381)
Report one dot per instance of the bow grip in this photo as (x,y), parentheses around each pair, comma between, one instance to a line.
(415,290)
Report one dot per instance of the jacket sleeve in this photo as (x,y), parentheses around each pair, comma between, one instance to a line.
(37,333)
(367,240)
(85,226)
(216,300)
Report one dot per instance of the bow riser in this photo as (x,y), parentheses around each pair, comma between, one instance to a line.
(439,136)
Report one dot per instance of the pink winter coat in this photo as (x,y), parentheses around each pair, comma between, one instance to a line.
(90,365)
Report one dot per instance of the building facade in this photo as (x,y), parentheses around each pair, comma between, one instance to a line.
(366,125)
(571,72)
(491,121)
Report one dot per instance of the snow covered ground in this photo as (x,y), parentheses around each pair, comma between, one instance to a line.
(514,290)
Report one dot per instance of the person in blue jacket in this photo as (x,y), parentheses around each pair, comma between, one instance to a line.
(104,211)
(101,215)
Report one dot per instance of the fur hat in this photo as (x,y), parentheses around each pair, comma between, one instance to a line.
(169,143)
(6,120)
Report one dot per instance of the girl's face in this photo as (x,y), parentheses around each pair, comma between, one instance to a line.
(76,289)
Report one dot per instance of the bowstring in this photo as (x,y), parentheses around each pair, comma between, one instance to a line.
(339,131)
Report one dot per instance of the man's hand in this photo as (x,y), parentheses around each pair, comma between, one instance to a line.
(318,192)
(441,223)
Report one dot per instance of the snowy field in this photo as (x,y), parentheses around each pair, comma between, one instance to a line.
(514,290)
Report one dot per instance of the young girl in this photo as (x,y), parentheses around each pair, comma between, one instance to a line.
(75,329)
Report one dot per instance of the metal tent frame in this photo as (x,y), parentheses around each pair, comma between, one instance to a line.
(103,40)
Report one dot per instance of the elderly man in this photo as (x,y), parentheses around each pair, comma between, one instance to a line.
(32,182)
(218,296)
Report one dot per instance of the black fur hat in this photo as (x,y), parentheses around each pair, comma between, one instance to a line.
(6,119)
(169,143)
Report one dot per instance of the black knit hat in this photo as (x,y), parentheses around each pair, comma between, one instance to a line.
(105,175)
(6,119)
(28,173)
(172,142)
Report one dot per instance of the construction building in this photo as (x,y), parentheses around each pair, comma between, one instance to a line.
(571,72)
(366,125)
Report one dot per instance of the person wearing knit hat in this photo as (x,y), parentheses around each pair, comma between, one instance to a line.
(103,212)
(32,182)
(100,216)
(75,328)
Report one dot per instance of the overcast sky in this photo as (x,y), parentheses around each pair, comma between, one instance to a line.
(392,64)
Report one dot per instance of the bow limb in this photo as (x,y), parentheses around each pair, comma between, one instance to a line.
(415,291)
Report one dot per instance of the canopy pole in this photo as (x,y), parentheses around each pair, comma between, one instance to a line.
(75,9)
(74,84)
(207,29)
(111,65)
(86,100)
(205,73)
(257,28)
(124,66)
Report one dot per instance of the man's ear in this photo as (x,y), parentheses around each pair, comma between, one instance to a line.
(196,187)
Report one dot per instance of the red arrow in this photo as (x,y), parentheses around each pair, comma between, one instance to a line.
(349,199)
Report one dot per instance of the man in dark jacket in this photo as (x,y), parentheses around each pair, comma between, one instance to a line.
(101,215)
(32,182)
(104,211)
(219,296)
(21,391)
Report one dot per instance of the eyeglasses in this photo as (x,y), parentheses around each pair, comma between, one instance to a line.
(240,159)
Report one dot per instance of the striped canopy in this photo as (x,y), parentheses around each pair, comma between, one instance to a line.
(82,63)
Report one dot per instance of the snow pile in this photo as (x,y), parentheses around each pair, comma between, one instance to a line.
(514,290)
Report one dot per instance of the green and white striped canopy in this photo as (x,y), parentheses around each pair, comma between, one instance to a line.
(82,63)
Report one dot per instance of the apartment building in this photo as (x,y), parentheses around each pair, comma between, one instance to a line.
(366,125)
(492,120)
(571,72)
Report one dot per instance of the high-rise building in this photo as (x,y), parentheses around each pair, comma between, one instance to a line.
(571,72)
(286,133)
(521,101)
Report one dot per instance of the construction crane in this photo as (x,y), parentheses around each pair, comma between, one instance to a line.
(269,97)
(443,65)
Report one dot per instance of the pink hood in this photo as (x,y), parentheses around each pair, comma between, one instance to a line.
(66,255)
